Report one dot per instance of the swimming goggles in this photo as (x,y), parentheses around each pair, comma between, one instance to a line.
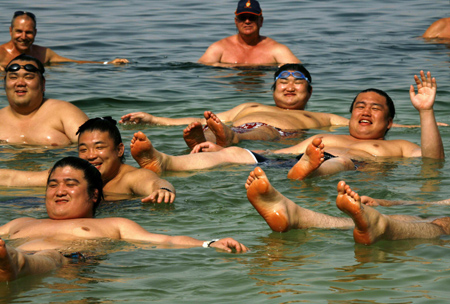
(27,67)
(296,75)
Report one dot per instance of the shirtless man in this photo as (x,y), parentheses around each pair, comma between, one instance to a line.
(247,47)
(74,190)
(372,115)
(30,118)
(438,29)
(254,121)
(23,32)
(100,143)
(282,214)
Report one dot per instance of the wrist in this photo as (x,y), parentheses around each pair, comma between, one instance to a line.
(167,189)
(207,244)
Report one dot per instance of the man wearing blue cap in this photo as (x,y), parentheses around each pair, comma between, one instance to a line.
(247,47)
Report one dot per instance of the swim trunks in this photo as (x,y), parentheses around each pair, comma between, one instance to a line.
(75,256)
(255,125)
(257,157)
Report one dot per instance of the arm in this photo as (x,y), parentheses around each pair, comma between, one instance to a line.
(298,148)
(16,178)
(423,101)
(336,120)
(147,183)
(283,55)
(132,231)
(213,54)
(51,56)
(437,29)
(71,118)
(146,118)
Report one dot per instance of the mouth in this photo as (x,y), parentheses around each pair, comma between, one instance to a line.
(21,92)
(365,122)
(61,201)
(97,165)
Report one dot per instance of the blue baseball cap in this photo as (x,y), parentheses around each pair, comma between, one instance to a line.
(248,7)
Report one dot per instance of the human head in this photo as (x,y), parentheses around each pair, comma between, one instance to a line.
(103,124)
(248,17)
(389,101)
(293,67)
(372,112)
(91,175)
(23,31)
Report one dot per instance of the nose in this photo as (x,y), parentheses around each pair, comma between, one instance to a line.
(290,86)
(61,190)
(91,154)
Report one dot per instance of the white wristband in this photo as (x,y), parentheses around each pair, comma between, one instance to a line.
(106,62)
(207,244)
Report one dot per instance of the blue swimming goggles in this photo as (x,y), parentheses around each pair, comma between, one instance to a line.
(27,67)
(296,75)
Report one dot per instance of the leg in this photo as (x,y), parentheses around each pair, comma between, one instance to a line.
(193,134)
(371,225)
(280,213)
(148,157)
(312,163)
(14,263)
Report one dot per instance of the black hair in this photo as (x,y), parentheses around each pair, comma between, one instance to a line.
(293,67)
(389,101)
(25,57)
(103,124)
(91,174)
(21,13)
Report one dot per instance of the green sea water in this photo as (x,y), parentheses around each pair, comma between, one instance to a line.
(347,46)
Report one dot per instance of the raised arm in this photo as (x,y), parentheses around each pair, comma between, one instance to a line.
(51,56)
(423,101)
(132,231)
(16,178)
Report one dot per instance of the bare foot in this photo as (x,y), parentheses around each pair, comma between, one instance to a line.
(225,137)
(193,134)
(310,161)
(145,155)
(8,269)
(270,203)
(370,225)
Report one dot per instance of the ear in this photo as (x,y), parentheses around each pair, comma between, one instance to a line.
(120,149)
(390,122)
(261,21)
(10,30)
(95,195)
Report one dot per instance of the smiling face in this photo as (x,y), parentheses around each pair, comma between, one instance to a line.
(67,195)
(24,89)
(370,116)
(99,149)
(291,93)
(23,33)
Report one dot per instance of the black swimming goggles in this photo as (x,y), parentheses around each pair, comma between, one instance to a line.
(27,67)
(296,75)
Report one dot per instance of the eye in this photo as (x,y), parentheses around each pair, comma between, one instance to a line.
(52,185)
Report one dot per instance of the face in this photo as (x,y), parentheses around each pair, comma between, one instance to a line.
(370,116)
(98,148)
(24,89)
(22,33)
(291,93)
(67,195)
(248,24)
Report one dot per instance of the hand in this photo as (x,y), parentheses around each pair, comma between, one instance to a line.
(366,200)
(119,61)
(228,244)
(426,92)
(137,117)
(159,196)
(206,146)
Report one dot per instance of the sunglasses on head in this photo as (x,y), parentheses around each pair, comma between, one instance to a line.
(27,67)
(245,17)
(20,13)
(296,75)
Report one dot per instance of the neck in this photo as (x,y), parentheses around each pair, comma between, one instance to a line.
(251,40)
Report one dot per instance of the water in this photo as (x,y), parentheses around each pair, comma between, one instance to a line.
(347,46)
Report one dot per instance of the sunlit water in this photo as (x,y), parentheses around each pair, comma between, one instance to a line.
(347,45)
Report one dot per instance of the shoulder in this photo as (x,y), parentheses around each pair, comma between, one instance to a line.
(439,28)
(60,105)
